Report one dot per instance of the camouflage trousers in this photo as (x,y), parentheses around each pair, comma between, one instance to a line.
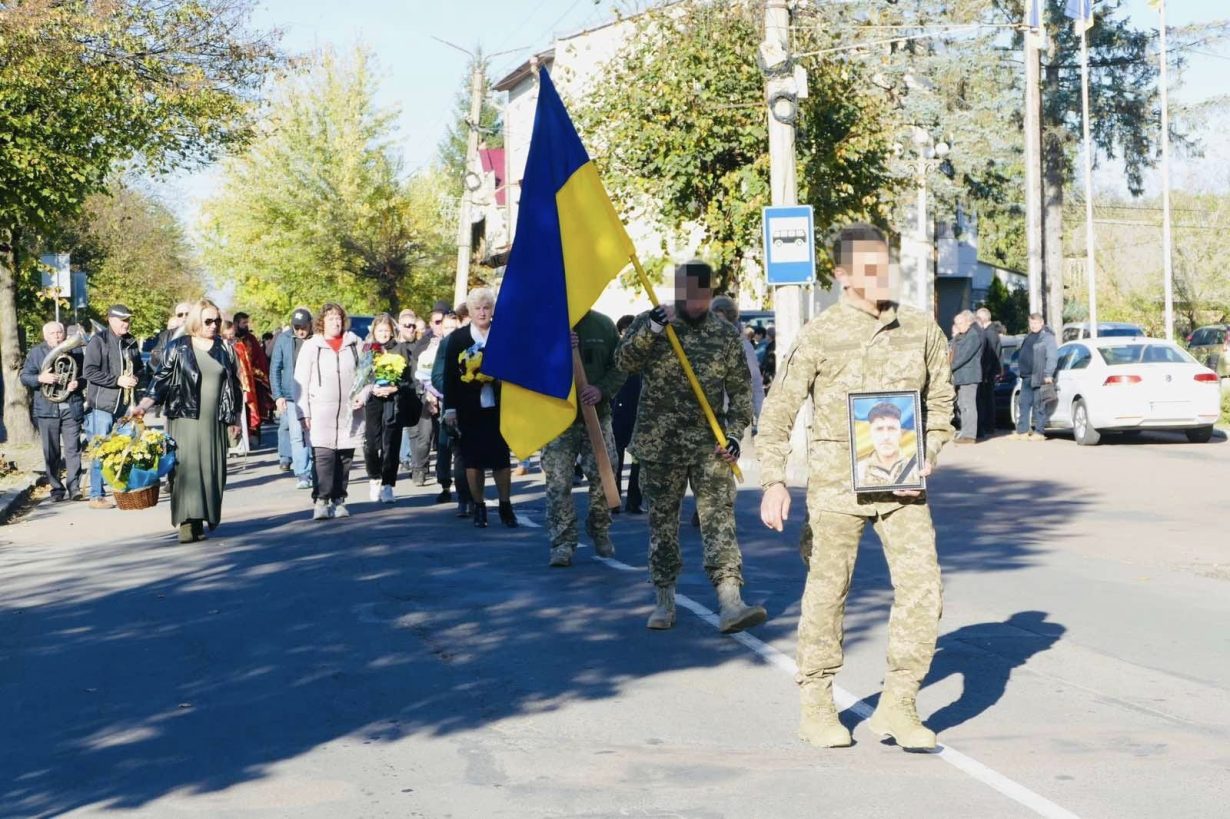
(558,460)
(713,484)
(908,539)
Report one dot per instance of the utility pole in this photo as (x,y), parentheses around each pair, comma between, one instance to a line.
(1167,263)
(783,181)
(1033,170)
(465,227)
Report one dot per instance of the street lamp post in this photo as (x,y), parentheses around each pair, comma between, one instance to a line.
(929,154)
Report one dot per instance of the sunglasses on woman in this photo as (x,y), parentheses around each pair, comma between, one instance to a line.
(211,322)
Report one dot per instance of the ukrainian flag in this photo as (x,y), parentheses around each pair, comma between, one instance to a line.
(569,244)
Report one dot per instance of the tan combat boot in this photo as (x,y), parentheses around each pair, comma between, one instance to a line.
(735,614)
(897,716)
(819,724)
(663,616)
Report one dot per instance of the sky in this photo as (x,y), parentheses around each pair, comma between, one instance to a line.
(421,76)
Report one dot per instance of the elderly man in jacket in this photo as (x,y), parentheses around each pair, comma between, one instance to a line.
(296,457)
(59,424)
(112,369)
(967,373)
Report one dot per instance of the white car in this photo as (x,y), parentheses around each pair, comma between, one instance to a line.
(1129,384)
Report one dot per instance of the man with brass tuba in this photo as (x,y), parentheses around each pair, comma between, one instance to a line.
(112,369)
(52,370)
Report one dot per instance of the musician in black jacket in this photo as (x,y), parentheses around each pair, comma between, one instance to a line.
(112,369)
(59,424)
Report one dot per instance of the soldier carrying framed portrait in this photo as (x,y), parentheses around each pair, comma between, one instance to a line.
(886,441)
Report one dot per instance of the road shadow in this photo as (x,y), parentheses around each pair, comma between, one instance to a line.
(169,672)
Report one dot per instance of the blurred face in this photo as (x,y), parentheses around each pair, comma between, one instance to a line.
(241,326)
(332,324)
(886,438)
(119,326)
(1035,325)
(211,323)
(302,332)
(437,321)
(448,325)
(53,333)
(690,297)
(480,315)
(228,333)
(405,326)
(868,276)
(961,324)
(383,333)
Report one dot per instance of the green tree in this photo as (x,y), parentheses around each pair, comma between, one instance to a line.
(86,86)
(433,214)
(678,126)
(315,210)
(136,252)
(1010,307)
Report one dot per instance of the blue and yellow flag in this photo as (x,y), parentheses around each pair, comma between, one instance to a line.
(569,244)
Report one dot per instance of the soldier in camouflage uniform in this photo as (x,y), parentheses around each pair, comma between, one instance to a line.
(595,338)
(866,342)
(674,444)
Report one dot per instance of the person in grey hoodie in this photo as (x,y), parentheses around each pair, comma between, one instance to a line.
(967,373)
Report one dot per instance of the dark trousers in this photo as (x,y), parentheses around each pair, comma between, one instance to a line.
(421,435)
(332,473)
(986,408)
(1030,404)
(448,459)
(61,440)
(633,498)
(381,443)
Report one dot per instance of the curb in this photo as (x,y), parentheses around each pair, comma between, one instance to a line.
(11,499)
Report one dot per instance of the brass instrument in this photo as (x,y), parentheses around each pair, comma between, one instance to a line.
(63,366)
(126,395)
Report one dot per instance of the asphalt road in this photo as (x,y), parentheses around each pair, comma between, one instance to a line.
(402,663)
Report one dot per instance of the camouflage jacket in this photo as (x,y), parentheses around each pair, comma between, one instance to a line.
(670,425)
(597,339)
(844,350)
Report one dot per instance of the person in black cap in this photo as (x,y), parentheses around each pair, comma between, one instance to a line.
(293,454)
(112,369)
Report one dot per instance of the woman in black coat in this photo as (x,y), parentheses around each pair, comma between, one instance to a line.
(388,408)
(471,409)
(197,384)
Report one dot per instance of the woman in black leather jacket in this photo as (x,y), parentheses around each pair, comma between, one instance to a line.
(197,384)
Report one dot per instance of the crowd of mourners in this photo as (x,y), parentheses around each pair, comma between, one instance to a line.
(220,386)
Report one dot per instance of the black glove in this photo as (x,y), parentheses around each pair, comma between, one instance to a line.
(658,319)
(732,446)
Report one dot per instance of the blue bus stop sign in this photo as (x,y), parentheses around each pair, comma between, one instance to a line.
(789,245)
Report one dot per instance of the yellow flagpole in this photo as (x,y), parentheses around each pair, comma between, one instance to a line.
(687,368)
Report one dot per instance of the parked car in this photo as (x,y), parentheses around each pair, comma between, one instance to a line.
(756,318)
(1117,384)
(1005,385)
(361,326)
(1107,329)
(1211,346)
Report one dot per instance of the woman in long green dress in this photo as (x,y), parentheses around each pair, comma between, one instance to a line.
(198,385)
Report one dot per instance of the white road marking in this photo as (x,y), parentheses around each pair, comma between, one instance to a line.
(846,701)
(526,520)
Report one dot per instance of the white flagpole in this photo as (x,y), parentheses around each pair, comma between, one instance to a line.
(1167,268)
(1091,271)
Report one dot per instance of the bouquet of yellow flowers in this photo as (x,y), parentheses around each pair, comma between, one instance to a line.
(388,367)
(132,456)
(471,360)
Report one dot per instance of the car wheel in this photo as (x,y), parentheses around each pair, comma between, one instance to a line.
(1199,435)
(1084,432)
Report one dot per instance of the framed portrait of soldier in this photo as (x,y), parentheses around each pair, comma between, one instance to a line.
(886,441)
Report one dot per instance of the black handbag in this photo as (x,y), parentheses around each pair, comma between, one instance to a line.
(1047,394)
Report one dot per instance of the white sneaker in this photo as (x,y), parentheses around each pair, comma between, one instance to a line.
(323,510)
(340,511)
(386,494)
(373,488)
(304,484)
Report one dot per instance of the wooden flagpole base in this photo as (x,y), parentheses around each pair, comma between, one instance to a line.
(609,488)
